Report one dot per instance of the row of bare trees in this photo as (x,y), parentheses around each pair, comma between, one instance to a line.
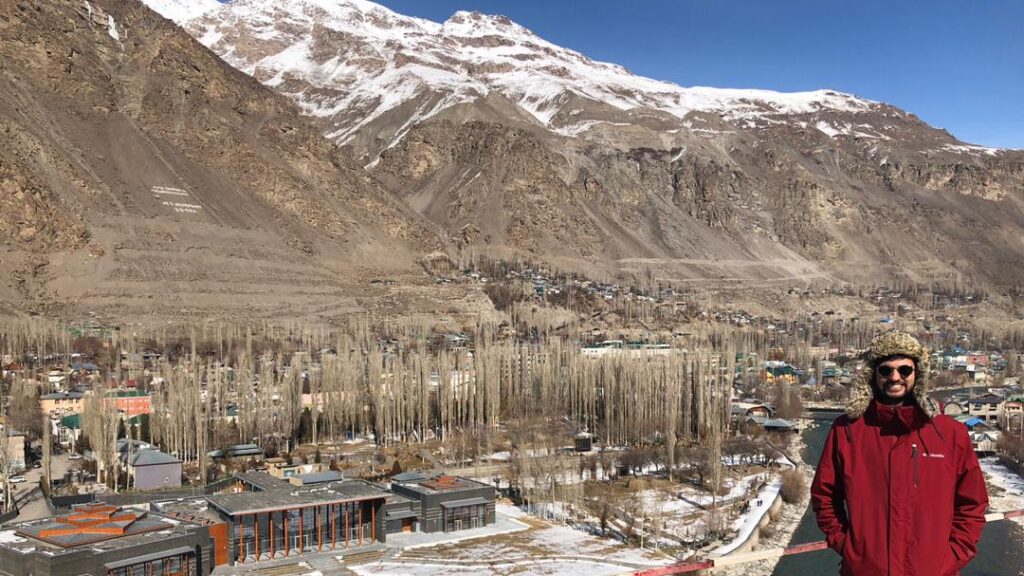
(393,380)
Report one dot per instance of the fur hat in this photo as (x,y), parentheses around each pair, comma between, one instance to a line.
(887,345)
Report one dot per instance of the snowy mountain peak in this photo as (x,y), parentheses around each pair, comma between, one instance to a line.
(358,64)
(181,11)
(476,24)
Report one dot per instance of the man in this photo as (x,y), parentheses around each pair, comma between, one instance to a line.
(898,490)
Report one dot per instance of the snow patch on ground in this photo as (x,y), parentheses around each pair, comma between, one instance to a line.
(971,149)
(520,568)
(747,523)
(1009,482)
(542,549)
(179,11)
(112,28)
(9,536)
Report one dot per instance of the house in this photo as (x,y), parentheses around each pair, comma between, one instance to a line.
(70,402)
(131,402)
(632,349)
(69,429)
(984,442)
(744,409)
(780,372)
(279,468)
(1012,406)
(152,469)
(986,406)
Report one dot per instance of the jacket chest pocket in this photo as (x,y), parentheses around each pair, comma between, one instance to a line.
(930,468)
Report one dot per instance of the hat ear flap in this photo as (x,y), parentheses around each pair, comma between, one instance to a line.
(861,393)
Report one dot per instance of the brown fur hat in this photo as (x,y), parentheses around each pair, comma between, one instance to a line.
(887,345)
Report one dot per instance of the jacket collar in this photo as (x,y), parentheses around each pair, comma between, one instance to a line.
(909,416)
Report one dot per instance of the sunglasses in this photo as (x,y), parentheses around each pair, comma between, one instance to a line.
(904,371)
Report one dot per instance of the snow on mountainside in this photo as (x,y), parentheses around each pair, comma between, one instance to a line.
(181,11)
(350,62)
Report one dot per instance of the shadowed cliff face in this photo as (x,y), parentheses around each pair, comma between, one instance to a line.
(141,175)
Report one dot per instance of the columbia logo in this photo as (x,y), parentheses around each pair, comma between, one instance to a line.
(935,455)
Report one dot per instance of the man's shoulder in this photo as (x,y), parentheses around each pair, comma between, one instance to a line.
(842,420)
(944,423)
(844,423)
(952,430)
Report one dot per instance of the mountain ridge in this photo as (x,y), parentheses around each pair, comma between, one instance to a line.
(578,160)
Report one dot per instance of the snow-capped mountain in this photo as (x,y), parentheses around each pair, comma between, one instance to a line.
(352,62)
(514,144)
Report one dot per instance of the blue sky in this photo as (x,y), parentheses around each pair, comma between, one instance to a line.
(958,65)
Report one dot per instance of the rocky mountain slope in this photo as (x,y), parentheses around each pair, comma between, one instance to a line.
(516,145)
(143,178)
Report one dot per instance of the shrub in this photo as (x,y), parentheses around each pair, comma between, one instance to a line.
(793,486)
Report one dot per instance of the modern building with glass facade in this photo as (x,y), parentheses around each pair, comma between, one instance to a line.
(279,523)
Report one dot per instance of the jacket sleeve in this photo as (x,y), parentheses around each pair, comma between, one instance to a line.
(827,493)
(969,504)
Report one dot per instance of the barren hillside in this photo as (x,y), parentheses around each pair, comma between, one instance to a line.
(143,177)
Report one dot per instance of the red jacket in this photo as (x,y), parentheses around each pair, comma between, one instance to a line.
(899,494)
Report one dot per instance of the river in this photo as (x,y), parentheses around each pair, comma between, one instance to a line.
(1000,552)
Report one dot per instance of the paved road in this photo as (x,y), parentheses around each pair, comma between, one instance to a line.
(36,508)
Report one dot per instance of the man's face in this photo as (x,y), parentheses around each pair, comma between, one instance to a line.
(891,382)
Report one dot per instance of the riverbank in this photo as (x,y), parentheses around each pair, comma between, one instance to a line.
(1005,487)
(779,531)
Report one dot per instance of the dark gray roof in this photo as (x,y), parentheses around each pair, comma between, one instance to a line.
(333,492)
(124,444)
(152,458)
(62,396)
(244,450)
(465,502)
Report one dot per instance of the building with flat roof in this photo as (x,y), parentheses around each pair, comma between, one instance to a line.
(446,503)
(102,539)
(286,520)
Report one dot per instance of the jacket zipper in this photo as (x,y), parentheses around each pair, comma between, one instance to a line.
(913,454)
